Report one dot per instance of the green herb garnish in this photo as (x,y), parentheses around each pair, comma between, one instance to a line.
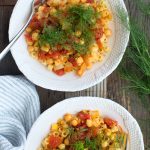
(82,15)
(144,6)
(53,36)
(91,144)
(78,18)
(135,66)
(78,145)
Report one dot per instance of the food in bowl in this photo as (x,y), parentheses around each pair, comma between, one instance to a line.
(85,130)
(69,35)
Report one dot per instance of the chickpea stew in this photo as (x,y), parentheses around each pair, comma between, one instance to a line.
(85,130)
(69,35)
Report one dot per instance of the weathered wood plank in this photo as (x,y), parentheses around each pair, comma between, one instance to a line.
(7,65)
(99,91)
(48,98)
(115,85)
(7,2)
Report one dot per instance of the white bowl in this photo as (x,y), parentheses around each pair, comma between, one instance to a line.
(107,108)
(40,76)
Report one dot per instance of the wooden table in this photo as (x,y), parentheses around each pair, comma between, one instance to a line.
(111,88)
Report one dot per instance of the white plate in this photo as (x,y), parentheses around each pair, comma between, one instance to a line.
(107,108)
(40,76)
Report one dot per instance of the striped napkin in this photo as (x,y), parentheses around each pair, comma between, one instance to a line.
(19,108)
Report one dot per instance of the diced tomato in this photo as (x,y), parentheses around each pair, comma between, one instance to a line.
(95,132)
(99,43)
(90,1)
(35,23)
(83,116)
(83,135)
(42,55)
(28,37)
(37,2)
(98,33)
(73,61)
(46,10)
(59,72)
(63,52)
(54,141)
(109,122)
(59,47)
(55,55)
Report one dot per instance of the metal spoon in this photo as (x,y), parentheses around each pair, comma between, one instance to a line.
(35,4)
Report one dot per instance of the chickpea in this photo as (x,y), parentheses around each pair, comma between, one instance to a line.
(108,132)
(108,32)
(83,1)
(73,1)
(40,9)
(82,42)
(52,11)
(78,33)
(74,122)
(50,61)
(104,144)
(66,141)
(61,146)
(104,22)
(56,2)
(94,48)
(65,126)
(62,122)
(89,123)
(114,129)
(30,43)
(49,2)
(58,62)
(28,29)
(30,48)
(68,117)
(80,61)
(112,137)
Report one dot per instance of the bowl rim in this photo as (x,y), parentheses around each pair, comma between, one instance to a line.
(95,99)
(95,78)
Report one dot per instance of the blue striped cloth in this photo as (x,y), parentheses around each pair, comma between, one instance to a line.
(19,108)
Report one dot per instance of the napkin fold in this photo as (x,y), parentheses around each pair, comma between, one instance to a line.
(19,108)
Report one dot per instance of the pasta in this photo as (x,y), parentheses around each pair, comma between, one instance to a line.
(85,130)
(69,35)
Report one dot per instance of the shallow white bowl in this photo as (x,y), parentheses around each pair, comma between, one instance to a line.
(107,108)
(40,76)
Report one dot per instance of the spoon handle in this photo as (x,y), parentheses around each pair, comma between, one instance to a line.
(7,49)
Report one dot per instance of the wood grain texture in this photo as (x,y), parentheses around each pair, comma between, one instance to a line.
(116,86)
(7,2)
(7,65)
(112,87)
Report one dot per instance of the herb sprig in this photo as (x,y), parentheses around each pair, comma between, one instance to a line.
(137,54)
(87,144)
(79,18)
(144,6)
(53,36)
